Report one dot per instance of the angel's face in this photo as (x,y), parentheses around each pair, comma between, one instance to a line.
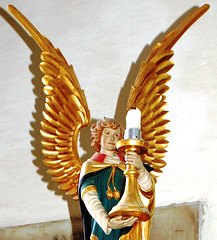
(108,140)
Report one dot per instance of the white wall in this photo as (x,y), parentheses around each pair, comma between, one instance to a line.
(106,41)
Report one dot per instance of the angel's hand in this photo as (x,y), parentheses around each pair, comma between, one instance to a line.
(118,222)
(134,159)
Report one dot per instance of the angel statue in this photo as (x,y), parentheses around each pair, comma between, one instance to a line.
(100,183)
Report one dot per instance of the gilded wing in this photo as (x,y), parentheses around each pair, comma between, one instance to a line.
(148,93)
(66,111)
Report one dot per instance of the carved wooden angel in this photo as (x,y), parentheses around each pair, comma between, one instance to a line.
(101,177)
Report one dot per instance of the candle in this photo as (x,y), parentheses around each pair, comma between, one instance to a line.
(133,124)
(133,119)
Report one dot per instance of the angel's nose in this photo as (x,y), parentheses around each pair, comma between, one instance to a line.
(112,137)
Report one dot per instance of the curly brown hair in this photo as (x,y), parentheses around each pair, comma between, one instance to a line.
(97,128)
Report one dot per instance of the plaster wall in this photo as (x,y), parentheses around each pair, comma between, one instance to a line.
(171,223)
(106,42)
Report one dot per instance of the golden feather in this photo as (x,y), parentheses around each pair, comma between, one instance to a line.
(66,111)
(148,93)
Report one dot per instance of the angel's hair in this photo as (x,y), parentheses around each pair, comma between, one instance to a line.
(97,128)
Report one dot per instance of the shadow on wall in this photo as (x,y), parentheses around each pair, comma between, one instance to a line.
(120,112)
(37,115)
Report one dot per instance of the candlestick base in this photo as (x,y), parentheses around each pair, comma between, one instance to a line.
(130,203)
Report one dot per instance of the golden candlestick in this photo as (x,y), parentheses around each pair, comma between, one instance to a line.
(130,203)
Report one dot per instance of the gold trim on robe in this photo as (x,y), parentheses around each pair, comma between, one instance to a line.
(93,166)
(93,237)
(87,189)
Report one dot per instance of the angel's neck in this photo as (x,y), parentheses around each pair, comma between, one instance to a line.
(107,152)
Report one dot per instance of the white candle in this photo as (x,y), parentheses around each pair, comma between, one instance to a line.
(133,119)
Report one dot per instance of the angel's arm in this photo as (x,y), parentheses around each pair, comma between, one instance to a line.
(144,178)
(95,208)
